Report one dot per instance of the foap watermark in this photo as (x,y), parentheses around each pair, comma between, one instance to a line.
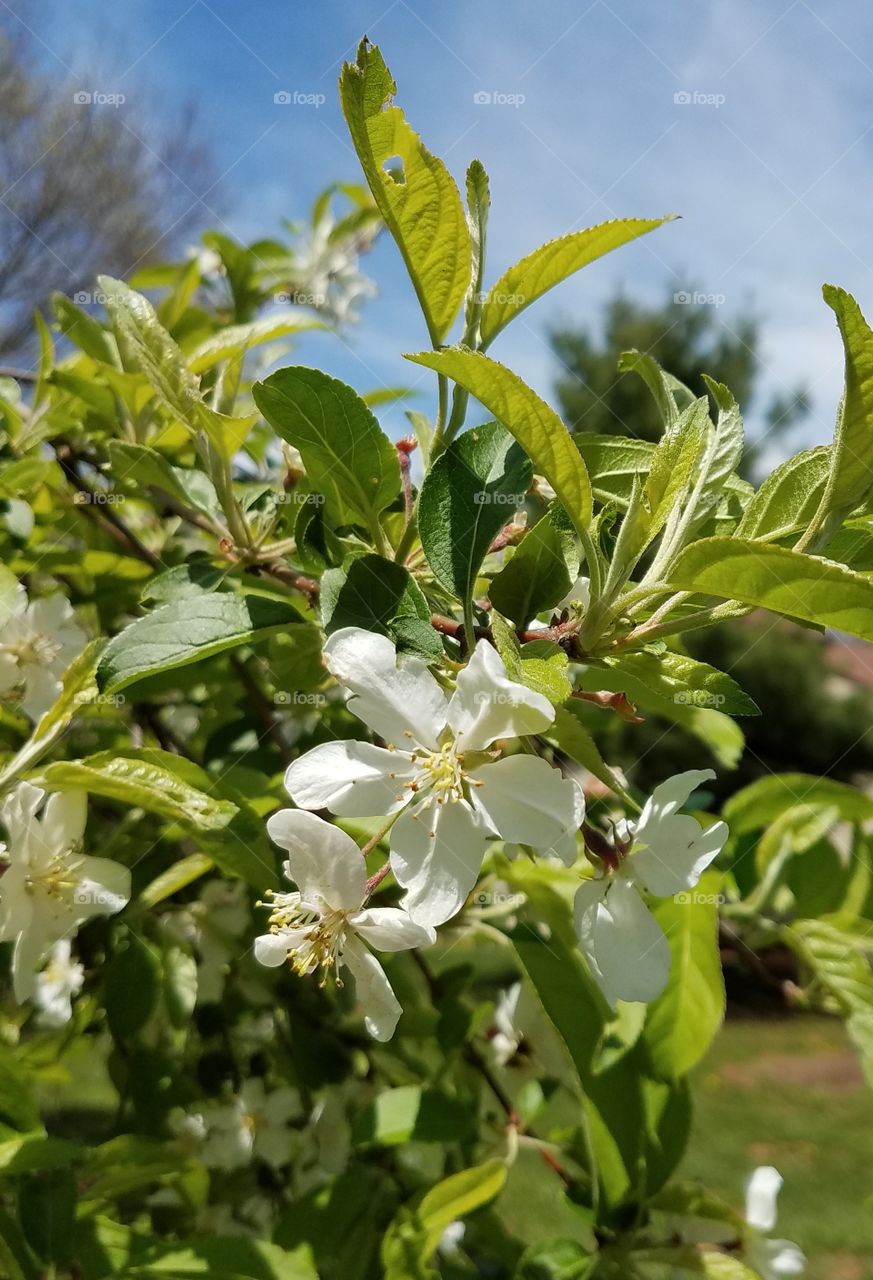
(96,98)
(502,299)
(489,898)
(288,298)
(696,98)
(697,298)
(486,498)
(95,896)
(693,898)
(289,497)
(90,298)
(90,698)
(497,98)
(298,699)
(698,698)
(298,98)
(98,499)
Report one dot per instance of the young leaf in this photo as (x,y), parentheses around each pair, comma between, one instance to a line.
(421,204)
(188,630)
(682,1022)
(347,455)
(763,801)
(547,266)
(158,357)
(683,680)
(851,476)
(470,493)
(542,570)
(536,427)
(235,340)
(838,961)
(789,497)
(613,463)
(775,578)
(726,452)
(379,595)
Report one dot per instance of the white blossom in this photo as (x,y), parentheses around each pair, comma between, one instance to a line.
(50,887)
(626,948)
(56,985)
(438,771)
(251,1124)
(38,641)
(771,1259)
(324,924)
(506,1039)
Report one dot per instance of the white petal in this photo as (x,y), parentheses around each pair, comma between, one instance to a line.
(40,692)
(10,673)
(394,701)
(31,947)
(762,1192)
(566,847)
(525,800)
(63,819)
(17,813)
(271,949)
(380,1006)
(436,854)
(781,1258)
(49,614)
(678,853)
(390,929)
(322,860)
(103,888)
(626,947)
(580,592)
(487,705)
(353,779)
(668,798)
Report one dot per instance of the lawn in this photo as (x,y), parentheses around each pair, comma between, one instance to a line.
(789,1092)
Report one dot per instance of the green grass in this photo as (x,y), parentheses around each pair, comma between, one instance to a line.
(789,1092)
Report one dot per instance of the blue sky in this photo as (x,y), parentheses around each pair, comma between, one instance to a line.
(770,164)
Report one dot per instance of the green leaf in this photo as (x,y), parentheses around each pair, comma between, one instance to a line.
(132,987)
(727,451)
(851,473)
(82,329)
(569,733)
(540,665)
(553,262)
(541,571)
(379,595)
(673,464)
(235,339)
(470,493)
(775,578)
(536,427)
(174,879)
(412,1238)
(421,204)
(46,1211)
(789,497)
(685,681)
(17,1107)
(555,1260)
(683,1021)
(158,357)
(228,1258)
(188,630)
(348,457)
(837,959)
(763,801)
(139,465)
(613,463)
(224,824)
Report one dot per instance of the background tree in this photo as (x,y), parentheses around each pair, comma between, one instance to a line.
(85,185)
(685,338)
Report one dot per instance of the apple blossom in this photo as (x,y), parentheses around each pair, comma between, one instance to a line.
(667,852)
(324,924)
(49,887)
(251,1124)
(771,1259)
(437,771)
(38,641)
(59,981)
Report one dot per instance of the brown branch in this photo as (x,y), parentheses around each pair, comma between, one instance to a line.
(101,515)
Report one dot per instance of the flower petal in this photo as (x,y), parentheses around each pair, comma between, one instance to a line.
(40,691)
(380,1006)
(322,860)
(677,854)
(63,820)
(391,929)
(762,1192)
(436,854)
(626,948)
(525,800)
(779,1258)
(103,888)
(17,813)
(395,701)
(271,949)
(487,705)
(353,779)
(668,798)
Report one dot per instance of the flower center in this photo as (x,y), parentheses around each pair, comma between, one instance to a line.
(34,649)
(322,935)
(58,880)
(442,773)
